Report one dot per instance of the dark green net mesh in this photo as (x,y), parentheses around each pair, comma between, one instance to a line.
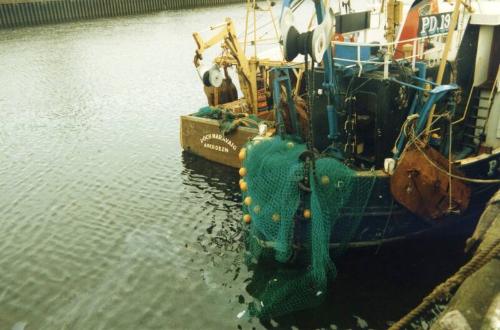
(279,229)
(228,121)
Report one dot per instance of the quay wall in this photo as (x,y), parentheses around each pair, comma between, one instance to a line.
(14,13)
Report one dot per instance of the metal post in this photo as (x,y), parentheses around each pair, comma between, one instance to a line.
(444,58)
(386,65)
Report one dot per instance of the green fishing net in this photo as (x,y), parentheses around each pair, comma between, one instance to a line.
(228,121)
(280,229)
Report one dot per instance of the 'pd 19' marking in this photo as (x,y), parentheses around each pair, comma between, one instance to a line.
(434,24)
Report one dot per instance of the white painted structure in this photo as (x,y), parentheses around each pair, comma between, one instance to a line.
(487,16)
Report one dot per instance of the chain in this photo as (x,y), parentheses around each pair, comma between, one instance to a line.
(309,156)
(310,101)
(307,161)
(350,128)
(310,135)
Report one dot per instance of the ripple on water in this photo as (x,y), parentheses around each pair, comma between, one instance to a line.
(102,222)
(105,224)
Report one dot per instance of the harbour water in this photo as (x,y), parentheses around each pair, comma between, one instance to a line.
(106,224)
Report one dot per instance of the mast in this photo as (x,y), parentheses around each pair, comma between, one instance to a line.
(393,18)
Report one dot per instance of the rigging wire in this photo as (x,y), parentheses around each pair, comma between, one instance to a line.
(415,140)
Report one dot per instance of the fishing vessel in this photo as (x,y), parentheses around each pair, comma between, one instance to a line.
(230,119)
(401,137)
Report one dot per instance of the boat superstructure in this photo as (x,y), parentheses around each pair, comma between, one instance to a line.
(400,137)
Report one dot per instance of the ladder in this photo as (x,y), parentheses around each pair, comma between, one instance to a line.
(475,125)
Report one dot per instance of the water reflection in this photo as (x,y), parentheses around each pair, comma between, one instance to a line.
(368,290)
(107,225)
(374,288)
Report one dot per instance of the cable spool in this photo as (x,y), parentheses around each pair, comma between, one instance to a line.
(211,77)
(314,43)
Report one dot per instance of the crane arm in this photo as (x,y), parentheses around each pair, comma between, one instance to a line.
(227,35)
(204,45)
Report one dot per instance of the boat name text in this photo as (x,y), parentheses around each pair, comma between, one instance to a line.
(214,147)
(212,136)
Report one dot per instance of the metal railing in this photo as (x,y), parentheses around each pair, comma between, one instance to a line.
(418,51)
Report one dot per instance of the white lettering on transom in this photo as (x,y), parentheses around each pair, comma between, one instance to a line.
(219,137)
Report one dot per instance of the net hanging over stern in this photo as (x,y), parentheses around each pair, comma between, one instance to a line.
(287,222)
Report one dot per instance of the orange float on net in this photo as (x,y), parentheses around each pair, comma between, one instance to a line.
(243,186)
(243,154)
